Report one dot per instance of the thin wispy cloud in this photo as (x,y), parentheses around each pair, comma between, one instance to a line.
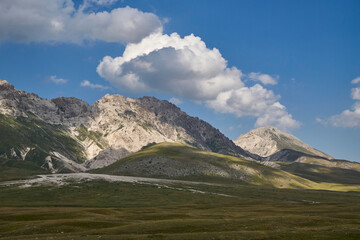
(175,101)
(356,80)
(56,80)
(265,79)
(88,84)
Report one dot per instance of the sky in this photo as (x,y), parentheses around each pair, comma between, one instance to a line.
(236,64)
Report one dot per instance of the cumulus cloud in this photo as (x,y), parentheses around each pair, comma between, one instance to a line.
(186,68)
(183,67)
(263,78)
(87,83)
(56,80)
(59,21)
(348,118)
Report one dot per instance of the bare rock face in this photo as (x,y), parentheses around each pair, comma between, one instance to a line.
(272,144)
(201,134)
(115,126)
(72,111)
(19,103)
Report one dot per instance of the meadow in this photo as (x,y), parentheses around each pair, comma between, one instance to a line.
(99,209)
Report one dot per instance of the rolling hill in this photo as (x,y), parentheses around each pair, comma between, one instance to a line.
(178,161)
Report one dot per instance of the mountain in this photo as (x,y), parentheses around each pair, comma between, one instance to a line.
(67,134)
(273,145)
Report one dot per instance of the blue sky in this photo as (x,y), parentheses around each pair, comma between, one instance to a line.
(285,63)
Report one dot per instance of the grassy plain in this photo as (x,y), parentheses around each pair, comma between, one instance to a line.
(103,210)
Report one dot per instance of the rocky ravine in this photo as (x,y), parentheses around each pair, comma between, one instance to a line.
(274,145)
(100,134)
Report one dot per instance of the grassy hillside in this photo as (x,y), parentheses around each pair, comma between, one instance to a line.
(35,138)
(178,161)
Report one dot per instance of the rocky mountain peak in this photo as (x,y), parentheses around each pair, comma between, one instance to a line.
(266,141)
(4,83)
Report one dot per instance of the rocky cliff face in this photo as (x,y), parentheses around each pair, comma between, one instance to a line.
(111,128)
(274,145)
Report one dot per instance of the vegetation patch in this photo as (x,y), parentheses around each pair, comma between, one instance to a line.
(96,137)
(31,132)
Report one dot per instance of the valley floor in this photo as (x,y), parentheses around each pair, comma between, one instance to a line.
(107,207)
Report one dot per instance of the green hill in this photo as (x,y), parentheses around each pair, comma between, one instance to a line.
(178,161)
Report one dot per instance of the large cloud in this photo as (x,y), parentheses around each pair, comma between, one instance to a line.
(348,118)
(186,68)
(59,21)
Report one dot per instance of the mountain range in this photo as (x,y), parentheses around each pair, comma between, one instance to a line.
(69,134)
(115,136)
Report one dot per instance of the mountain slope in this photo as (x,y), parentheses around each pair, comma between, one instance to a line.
(46,146)
(322,170)
(274,145)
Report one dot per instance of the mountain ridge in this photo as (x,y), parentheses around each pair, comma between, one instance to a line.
(112,127)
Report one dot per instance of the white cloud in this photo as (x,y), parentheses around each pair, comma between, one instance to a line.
(263,78)
(56,80)
(348,118)
(175,101)
(255,101)
(59,21)
(186,68)
(87,83)
(183,67)
(356,80)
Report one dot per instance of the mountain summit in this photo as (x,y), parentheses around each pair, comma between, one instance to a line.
(270,141)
